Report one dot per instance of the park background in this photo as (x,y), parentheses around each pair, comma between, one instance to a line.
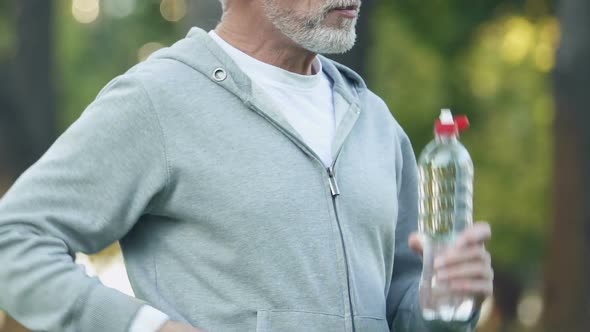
(520,69)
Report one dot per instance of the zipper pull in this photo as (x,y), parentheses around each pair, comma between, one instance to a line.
(333,184)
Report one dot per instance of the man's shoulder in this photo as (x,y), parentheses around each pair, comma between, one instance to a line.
(355,81)
(163,71)
(175,64)
(346,72)
(369,100)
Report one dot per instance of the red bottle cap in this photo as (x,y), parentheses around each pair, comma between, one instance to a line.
(460,124)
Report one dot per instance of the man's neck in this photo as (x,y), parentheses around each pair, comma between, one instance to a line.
(257,37)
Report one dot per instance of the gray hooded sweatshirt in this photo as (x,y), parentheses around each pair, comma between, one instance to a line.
(227,220)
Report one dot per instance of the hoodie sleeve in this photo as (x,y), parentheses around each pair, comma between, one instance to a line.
(403,307)
(85,193)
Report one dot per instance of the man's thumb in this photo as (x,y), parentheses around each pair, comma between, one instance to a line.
(415,243)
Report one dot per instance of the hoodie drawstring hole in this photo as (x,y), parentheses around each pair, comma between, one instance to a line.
(219,74)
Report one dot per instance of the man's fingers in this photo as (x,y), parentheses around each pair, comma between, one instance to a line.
(457,256)
(415,243)
(477,234)
(478,288)
(472,271)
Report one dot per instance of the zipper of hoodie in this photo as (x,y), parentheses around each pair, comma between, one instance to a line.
(334,191)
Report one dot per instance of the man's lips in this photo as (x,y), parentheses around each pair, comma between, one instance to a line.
(347,11)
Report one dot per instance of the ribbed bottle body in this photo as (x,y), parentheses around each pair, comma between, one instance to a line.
(445,210)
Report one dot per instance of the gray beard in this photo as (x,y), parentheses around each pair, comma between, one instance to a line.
(310,33)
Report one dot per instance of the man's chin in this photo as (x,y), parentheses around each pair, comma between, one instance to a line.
(337,42)
(336,51)
(331,49)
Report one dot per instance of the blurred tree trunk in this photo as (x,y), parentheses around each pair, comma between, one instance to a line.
(34,77)
(203,14)
(356,59)
(567,293)
(27,98)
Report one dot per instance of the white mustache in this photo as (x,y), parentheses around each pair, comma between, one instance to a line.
(342,3)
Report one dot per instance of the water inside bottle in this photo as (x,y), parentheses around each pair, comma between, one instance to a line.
(445,209)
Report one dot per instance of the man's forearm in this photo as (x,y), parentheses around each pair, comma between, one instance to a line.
(76,198)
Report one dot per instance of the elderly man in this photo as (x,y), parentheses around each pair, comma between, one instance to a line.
(254,185)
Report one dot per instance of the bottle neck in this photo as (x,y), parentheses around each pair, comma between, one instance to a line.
(446,139)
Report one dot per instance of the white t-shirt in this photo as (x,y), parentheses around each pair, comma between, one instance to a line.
(306,101)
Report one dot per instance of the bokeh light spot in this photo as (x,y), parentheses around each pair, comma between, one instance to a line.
(85,11)
(518,39)
(550,31)
(544,57)
(173,10)
(529,309)
(146,50)
(548,39)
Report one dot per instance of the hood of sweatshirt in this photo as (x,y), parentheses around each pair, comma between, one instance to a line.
(200,52)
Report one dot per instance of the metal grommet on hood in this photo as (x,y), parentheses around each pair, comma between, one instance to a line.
(219,74)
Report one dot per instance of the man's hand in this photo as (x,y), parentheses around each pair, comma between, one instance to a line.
(466,265)
(172,326)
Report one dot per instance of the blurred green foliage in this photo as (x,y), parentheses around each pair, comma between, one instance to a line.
(90,55)
(489,59)
(7,35)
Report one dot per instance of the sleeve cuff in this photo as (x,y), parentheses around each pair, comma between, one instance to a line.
(148,319)
(107,309)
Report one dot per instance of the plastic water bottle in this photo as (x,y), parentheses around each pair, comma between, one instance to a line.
(445,209)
